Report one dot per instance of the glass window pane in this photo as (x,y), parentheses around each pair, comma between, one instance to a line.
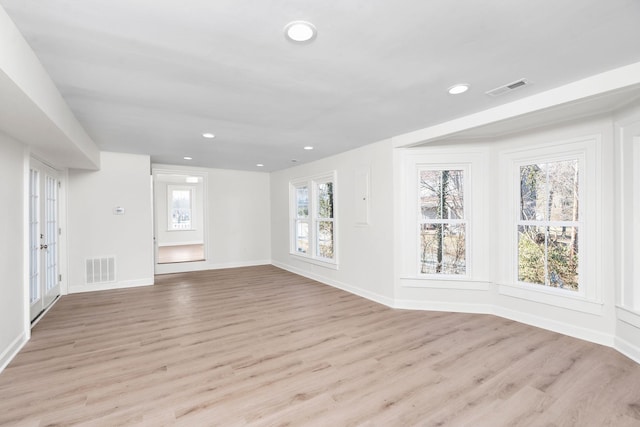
(563,190)
(533,198)
(180,209)
(563,257)
(302,237)
(325,200)
(531,254)
(325,239)
(443,249)
(441,194)
(302,202)
(453,194)
(430,188)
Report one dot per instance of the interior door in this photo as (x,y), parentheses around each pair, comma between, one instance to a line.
(44,278)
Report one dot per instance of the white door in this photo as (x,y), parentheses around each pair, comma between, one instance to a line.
(44,278)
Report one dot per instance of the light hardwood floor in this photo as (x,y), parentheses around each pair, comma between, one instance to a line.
(260,346)
(180,253)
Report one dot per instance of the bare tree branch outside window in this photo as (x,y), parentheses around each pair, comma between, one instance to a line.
(442,222)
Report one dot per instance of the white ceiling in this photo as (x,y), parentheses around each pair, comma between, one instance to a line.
(151,76)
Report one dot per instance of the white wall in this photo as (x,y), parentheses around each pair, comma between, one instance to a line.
(14,330)
(237,219)
(365,252)
(124,180)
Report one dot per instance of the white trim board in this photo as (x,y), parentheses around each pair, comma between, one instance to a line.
(14,348)
(372,296)
(74,289)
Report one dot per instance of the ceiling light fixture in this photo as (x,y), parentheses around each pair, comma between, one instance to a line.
(458,89)
(259,165)
(188,158)
(308,147)
(300,31)
(208,135)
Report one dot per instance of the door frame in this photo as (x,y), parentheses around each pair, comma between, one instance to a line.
(185,266)
(63,175)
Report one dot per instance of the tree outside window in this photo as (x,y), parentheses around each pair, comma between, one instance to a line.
(325,220)
(548,224)
(313,218)
(442,222)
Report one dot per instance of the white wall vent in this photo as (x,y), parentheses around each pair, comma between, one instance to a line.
(508,87)
(100,270)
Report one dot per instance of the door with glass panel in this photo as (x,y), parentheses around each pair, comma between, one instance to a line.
(44,232)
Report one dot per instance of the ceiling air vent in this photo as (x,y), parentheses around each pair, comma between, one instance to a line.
(508,87)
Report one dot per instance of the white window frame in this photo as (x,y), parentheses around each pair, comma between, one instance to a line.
(313,219)
(579,225)
(464,221)
(475,164)
(170,189)
(588,151)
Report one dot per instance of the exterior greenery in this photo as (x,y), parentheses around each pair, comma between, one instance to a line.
(548,225)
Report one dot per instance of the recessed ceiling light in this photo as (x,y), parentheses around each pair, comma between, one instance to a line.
(458,89)
(300,31)
(188,158)
(308,147)
(208,135)
(259,165)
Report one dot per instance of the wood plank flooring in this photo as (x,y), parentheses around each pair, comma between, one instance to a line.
(180,253)
(263,347)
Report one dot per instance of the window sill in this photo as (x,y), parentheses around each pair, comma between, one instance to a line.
(444,282)
(551,297)
(316,261)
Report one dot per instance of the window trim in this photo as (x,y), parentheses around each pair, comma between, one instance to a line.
(579,224)
(313,219)
(587,150)
(480,265)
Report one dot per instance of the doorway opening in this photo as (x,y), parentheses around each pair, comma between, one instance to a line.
(179,207)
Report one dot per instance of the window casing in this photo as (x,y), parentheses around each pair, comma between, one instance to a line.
(313,221)
(442,223)
(588,227)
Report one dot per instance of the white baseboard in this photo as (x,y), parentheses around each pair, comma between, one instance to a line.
(556,326)
(381,299)
(73,289)
(443,306)
(12,350)
(628,349)
(185,267)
